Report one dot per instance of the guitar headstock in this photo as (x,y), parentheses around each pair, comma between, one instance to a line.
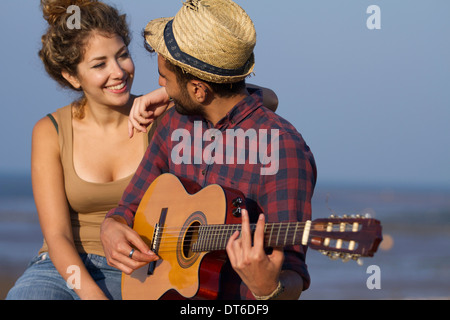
(347,237)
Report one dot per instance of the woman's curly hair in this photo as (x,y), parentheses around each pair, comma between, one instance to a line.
(63,47)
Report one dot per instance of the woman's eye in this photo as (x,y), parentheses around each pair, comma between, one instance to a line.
(98,65)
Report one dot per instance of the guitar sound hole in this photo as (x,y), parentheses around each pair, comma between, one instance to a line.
(190,238)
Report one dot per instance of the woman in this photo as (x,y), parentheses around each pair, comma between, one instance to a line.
(82,159)
(77,175)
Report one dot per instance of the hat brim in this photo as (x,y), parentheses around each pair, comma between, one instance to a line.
(154,36)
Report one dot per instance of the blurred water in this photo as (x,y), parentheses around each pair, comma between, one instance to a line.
(416,266)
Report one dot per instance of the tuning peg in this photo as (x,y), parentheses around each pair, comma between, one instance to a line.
(358,260)
(335,256)
(331,255)
(345,257)
(326,253)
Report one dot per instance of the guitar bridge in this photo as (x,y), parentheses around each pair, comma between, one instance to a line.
(157,239)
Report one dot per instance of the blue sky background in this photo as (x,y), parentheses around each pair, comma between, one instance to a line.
(374,105)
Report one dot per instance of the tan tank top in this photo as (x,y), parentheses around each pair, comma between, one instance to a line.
(89,202)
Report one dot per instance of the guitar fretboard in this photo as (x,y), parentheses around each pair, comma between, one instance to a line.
(215,237)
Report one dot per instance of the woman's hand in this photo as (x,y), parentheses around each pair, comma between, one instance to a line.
(270,98)
(146,109)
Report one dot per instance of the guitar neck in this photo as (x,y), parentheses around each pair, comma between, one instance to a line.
(215,237)
(348,237)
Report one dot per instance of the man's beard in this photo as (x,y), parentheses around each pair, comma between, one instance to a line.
(185,106)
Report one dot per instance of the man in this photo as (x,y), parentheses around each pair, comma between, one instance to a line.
(204,55)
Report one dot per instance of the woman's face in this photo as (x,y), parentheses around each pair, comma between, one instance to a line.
(106,72)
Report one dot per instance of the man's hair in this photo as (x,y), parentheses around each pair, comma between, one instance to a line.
(221,89)
(225,90)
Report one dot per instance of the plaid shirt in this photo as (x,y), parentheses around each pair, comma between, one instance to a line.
(284,196)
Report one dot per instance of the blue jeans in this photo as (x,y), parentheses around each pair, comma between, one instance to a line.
(41,280)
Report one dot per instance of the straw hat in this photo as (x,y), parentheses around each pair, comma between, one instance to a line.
(210,39)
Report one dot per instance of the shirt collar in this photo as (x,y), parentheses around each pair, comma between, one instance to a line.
(241,111)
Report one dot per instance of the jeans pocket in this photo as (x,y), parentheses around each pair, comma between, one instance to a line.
(40,258)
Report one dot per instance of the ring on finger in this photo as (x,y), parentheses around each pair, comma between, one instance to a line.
(131,254)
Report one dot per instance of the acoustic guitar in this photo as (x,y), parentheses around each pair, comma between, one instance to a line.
(188,228)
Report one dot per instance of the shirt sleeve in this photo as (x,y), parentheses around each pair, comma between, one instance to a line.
(286,194)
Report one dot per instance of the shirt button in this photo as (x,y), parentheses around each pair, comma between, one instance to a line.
(203,172)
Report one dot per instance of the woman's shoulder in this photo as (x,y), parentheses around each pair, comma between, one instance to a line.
(49,123)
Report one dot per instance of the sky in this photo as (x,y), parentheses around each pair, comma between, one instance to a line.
(372,104)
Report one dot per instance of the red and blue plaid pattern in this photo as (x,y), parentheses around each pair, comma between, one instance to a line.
(284,196)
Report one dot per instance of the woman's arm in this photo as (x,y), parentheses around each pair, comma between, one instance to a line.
(146,109)
(270,98)
(51,203)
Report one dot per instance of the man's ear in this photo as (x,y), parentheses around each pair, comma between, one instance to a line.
(73,80)
(200,90)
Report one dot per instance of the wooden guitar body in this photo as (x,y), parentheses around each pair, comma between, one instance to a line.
(180,273)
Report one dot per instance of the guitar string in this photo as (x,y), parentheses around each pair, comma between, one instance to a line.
(221,227)
(253,225)
(171,246)
(212,238)
(174,244)
(219,230)
(214,232)
(238,224)
(211,231)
